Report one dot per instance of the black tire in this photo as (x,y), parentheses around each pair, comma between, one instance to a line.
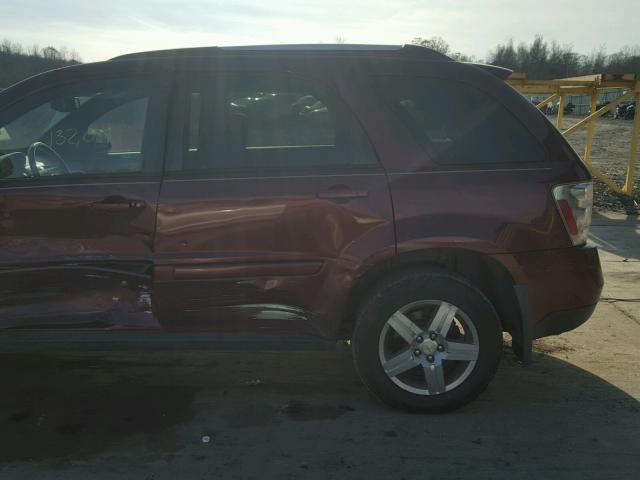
(402,290)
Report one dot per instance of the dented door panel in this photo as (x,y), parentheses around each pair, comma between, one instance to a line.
(266,254)
(64,262)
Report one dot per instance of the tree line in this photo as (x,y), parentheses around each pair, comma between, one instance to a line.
(541,59)
(18,62)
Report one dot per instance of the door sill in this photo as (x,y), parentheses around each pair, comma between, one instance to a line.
(84,340)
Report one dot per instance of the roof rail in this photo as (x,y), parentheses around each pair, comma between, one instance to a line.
(412,50)
(174,52)
(317,47)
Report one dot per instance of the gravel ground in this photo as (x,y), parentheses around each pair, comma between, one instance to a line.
(305,415)
(610,154)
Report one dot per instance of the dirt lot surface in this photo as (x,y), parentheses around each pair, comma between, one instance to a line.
(610,154)
(573,413)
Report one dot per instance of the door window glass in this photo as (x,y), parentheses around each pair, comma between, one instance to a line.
(76,130)
(271,122)
(282,117)
(122,128)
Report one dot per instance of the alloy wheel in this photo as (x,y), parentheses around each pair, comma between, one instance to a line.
(428,347)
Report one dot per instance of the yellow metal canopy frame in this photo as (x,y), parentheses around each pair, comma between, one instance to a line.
(593,86)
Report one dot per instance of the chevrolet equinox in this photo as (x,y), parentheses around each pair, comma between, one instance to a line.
(273,196)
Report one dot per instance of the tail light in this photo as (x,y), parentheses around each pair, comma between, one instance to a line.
(575,202)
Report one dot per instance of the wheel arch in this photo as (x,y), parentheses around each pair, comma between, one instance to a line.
(487,274)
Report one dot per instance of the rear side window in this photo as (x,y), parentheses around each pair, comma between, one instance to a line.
(457,123)
(269,122)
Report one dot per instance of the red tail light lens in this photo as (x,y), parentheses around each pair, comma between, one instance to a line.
(569,219)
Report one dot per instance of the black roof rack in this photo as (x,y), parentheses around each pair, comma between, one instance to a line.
(412,50)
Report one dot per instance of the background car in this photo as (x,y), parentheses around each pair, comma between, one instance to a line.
(625,110)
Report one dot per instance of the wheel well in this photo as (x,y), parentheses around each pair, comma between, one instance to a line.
(480,270)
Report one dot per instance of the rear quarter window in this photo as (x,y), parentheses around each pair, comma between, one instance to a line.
(458,124)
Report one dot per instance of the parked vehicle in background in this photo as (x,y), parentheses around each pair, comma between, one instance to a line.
(598,107)
(552,108)
(271,195)
(625,110)
(569,108)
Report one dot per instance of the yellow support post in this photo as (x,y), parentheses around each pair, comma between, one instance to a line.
(606,180)
(592,127)
(635,136)
(561,111)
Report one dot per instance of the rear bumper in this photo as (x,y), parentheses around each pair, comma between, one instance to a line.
(557,289)
(556,280)
(559,322)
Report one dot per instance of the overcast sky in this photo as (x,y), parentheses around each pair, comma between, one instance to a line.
(100,30)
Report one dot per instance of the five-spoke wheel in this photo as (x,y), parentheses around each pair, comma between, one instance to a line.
(427,341)
(428,347)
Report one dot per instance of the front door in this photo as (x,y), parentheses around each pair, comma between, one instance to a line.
(80,168)
(269,206)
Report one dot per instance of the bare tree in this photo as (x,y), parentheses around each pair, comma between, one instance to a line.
(51,53)
(434,43)
(17,63)
(440,45)
(543,60)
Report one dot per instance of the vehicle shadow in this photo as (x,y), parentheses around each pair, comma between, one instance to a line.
(57,405)
(305,408)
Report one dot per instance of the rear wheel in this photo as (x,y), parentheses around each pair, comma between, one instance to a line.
(427,342)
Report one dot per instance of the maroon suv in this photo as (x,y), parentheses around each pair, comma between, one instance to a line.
(274,196)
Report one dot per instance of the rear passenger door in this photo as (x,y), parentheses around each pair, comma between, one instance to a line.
(271,202)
